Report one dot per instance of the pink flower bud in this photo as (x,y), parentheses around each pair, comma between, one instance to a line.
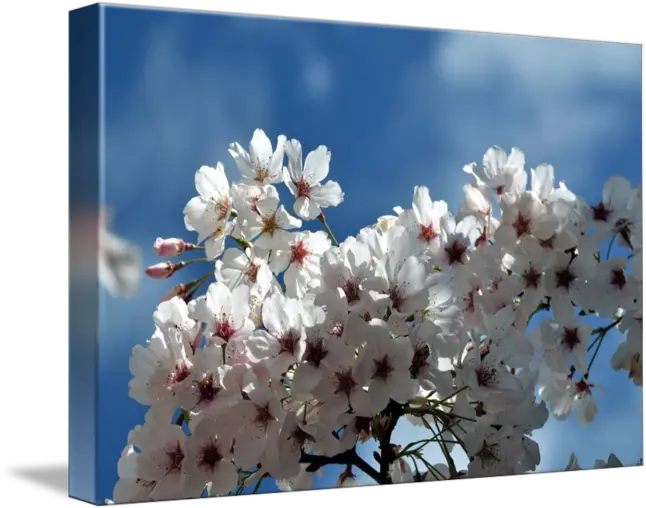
(161,270)
(169,246)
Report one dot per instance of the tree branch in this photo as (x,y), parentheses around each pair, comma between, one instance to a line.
(393,412)
(349,457)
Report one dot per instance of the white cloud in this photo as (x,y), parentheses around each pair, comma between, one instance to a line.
(317,76)
(316,71)
(182,112)
(560,101)
(544,65)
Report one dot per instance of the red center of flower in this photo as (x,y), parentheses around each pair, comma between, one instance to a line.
(261,174)
(601,212)
(224,330)
(455,252)
(315,352)
(427,233)
(288,343)
(303,189)
(207,389)
(522,225)
(564,278)
(383,368)
(500,189)
(618,278)
(351,290)
(179,374)
(345,382)
(209,455)
(532,277)
(174,458)
(485,376)
(570,338)
(582,388)
(263,416)
(299,253)
(269,225)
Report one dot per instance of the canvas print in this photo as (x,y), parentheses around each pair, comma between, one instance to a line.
(312,255)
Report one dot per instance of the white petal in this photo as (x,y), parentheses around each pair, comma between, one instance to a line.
(307,208)
(276,165)
(294,153)
(241,158)
(328,194)
(211,181)
(260,147)
(617,191)
(317,165)
(267,206)
(249,447)
(543,180)
(218,298)
(494,160)
(225,478)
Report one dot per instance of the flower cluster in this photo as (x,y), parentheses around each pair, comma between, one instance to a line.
(302,348)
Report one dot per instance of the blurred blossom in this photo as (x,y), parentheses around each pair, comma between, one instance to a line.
(119,265)
(95,251)
(119,268)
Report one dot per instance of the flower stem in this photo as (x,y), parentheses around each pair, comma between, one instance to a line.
(594,355)
(192,261)
(599,340)
(196,285)
(610,247)
(594,342)
(605,329)
(452,469)
(541,306)
(327,228)
(242,243)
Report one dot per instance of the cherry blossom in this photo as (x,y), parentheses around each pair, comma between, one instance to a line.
(292,350)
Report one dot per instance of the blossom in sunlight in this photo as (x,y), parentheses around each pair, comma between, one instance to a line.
(293,348)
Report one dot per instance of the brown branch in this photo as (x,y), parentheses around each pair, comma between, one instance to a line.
(347,458)
(392,412)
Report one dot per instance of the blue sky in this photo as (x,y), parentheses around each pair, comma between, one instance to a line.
(396,107)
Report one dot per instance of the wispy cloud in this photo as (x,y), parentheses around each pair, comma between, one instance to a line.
(318,78)
(561,101)
(298,41)
(182,112)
